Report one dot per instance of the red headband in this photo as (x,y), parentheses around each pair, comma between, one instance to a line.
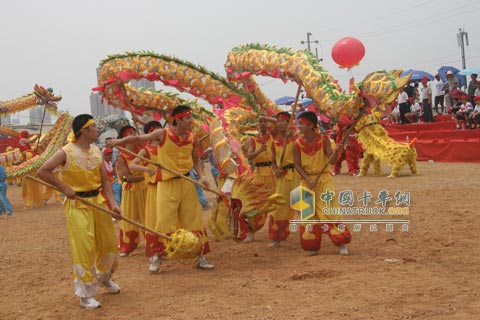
(152,128)
(283,116)
(127,132)
(305,120)
(182,114)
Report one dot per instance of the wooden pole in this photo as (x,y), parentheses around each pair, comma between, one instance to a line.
(342,142)
(178,174)
(290,124)
(99,207)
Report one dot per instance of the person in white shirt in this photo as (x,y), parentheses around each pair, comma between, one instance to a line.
(415,112)
(474,117)
(402,101)
(439,93)
(394,116)
(465,109)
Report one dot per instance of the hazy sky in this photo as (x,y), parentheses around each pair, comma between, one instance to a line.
(59,43)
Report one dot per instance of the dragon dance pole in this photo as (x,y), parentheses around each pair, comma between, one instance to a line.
(41,125)
(98,207)
(178,174)
(290,124)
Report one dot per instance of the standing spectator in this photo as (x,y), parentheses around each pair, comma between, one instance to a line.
(477,91)
(426,101)
(5,206)
(439,93)
(472,86)
(415,92)
(403,105)
(450,86)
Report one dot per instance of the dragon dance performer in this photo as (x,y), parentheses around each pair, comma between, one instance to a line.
(311,152)
(259,150)
(134,192)
(287,180)
(351,152)
(91,232)
(32,192)
(177,150)
(152,242)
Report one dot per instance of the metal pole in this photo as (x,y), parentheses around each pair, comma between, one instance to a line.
(461,43)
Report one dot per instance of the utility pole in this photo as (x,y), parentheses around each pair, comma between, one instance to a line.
(460,36)
(309,34)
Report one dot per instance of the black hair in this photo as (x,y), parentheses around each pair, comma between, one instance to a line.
(310,116)
(78,122)
(151,124)
(123,129)
(177,110)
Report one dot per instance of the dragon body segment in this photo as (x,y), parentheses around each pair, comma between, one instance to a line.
(301,66)
(40,96)
(117,70)
(53,140)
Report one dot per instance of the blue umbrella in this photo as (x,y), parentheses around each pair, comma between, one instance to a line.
(417,75)
(462,80)
(306,102)
(469,71)
(285,100)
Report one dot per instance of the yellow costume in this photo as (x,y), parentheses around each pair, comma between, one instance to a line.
(313,159)
(133,207)
(279,221)
(179,202)
(31,190)
(91,233)
(153,243)
(263,175)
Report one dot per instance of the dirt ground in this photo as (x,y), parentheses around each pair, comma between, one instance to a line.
(430,271)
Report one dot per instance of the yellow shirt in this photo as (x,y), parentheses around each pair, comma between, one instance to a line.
(264,157)
(81,171)
(313,155)
(277,147)
(175,153)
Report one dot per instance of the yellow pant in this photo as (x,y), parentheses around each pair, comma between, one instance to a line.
(93,245)
(133,207)
(32,193)
(178,207)
(279,219)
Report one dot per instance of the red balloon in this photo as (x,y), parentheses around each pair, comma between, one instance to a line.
(348,52)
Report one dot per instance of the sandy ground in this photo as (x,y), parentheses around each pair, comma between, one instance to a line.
(429,272)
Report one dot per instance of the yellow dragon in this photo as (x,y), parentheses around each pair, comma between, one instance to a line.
(238,95)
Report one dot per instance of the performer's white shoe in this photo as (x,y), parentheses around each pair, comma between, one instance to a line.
(155,263)
(111,287)
(249,237)
(274,244)
(343,250)
(204,264)
(89,303)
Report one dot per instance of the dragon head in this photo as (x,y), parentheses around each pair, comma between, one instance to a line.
(46,96)
(382,87)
